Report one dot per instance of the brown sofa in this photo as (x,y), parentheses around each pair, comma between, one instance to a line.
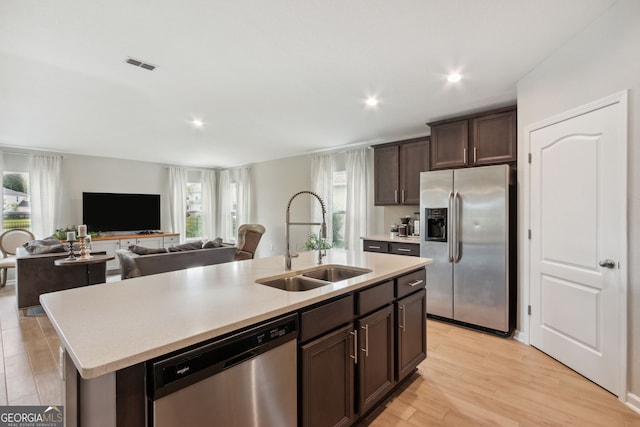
(134,265)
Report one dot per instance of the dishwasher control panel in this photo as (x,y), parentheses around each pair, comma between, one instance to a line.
(172,372)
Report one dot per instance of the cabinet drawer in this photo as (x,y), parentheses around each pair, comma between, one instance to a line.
(173,240)
(372,298)
(410,283)
(124,243)
(326,317)
(410,249)
(375,246)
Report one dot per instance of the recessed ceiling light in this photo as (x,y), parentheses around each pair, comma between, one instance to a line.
(197,123)
(371,101)
(454,77)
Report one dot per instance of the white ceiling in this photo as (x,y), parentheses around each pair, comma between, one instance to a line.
(270,78)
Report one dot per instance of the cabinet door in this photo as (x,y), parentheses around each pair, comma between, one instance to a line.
(375,360)
(493,139)
(412,332)
(327,379)
(414,158)
(449,143)
(386,175)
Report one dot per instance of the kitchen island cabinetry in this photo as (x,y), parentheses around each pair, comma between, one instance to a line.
(397,168)
(327,379)
(474,140)
(361,361)
(110,375)
(411,333)
(375,362)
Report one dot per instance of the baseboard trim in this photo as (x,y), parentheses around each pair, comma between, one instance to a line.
(633,402)
(520,336)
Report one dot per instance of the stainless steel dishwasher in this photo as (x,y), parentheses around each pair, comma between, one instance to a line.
(248,379)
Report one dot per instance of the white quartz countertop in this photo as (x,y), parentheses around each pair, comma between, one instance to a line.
(388,238)
(114,325)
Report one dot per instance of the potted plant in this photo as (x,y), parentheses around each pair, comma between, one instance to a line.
(314,242)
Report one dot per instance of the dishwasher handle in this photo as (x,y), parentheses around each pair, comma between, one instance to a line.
(239,359)
(177,370)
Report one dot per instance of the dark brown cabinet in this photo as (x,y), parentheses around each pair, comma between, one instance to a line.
(351,351)
(397,168)
(328,379)
(375,362)
(475,140)
(493,138)
(411,332)
(449,143)
(398,248)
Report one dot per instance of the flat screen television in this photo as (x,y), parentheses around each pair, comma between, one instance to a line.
(121,212)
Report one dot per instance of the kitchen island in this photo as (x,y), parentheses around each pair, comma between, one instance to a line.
(111,328)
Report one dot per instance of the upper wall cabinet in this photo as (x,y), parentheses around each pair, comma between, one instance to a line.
(475,140)
(397,168)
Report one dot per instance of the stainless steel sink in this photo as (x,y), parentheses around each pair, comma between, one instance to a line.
(335,273)
(313,278)
(295,283)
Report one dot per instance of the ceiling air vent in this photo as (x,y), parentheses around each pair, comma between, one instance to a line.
(140,64)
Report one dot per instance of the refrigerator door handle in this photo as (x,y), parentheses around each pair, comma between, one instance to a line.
(450,227)
(456,214)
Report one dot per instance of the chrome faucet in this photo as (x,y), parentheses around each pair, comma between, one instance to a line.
(322,234)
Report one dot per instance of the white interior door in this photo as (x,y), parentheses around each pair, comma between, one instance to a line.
(578,240)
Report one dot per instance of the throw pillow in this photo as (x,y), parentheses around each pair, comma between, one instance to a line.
(215,243)
(45,246)
(141,250)
(190,246)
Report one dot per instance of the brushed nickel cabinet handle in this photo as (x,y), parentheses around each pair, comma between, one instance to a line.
(366,340)
(415,283)
(403,317)
(354,356)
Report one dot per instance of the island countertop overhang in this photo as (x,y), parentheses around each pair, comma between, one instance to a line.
(114,325)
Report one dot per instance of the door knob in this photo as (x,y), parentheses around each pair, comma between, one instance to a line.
(607,263)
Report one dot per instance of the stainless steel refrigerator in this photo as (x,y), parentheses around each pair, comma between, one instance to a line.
(468,228)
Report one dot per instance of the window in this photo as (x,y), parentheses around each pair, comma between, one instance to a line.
(339,208)
(194,210)
(15,201)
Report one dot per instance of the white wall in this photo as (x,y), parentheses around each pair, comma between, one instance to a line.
(274,183)
(601,60)
(100,174)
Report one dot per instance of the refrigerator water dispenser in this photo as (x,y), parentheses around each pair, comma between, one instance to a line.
(436,226)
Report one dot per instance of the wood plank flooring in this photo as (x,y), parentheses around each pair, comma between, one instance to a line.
(475,379)
(469,379)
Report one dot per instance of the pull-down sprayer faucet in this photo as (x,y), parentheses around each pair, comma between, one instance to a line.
(323,228)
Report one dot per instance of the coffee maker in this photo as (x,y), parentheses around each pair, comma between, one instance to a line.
(405,228)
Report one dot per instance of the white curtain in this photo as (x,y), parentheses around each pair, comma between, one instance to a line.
(209,203)
(178,200)
(243,207)
(322,184)
(224,204)
(44,179)
(241,177)
(356,221)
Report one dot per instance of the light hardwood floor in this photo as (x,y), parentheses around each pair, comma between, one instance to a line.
(469,379)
